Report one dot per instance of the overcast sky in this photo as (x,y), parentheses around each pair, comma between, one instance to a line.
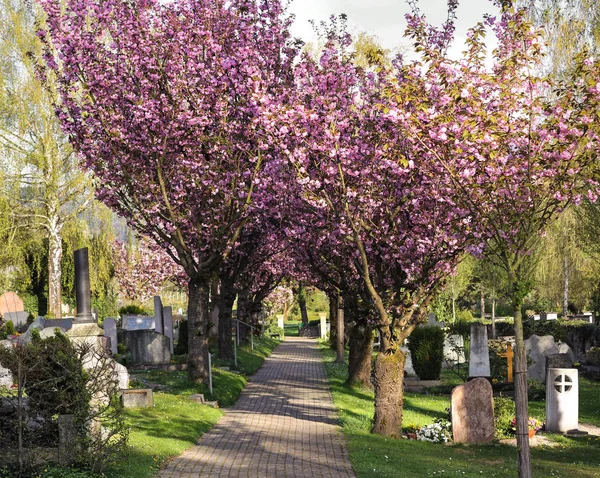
(385,18)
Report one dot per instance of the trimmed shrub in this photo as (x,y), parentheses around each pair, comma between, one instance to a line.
(592,356)
(426,345)
(133,309)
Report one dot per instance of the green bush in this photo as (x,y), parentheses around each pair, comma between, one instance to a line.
(592,356)
(536,390)
(9,328)
(504,412)
(426,345)
(273,329)
(133,309)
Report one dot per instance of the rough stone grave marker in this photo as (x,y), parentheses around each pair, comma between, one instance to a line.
(473,412)
(167,314)
(479,355)
(110,331)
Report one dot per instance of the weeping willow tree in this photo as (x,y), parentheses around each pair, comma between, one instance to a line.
(571,25)
(44,186)
(565,266)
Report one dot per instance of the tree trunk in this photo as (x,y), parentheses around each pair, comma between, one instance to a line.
(359,358)
(521,404)
(493,318)
(332,323)
(55,273)
(453,304)
(482,304)
(566,286)
(389,392)
(225,302)
(198,320)
(243,312)
(340,358)
(302,303)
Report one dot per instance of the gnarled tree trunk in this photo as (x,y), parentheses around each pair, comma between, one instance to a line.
(198,320)
(389,391)
(225,302)
(360,356)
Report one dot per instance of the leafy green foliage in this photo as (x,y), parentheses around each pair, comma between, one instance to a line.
(133,309)
(426,347)
(504,412)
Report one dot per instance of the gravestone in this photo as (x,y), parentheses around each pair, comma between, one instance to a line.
(10,302)
(432,321)
(537,349)
(323,325)
(408,365)
(562,400)
(148,347)
(138,322)
(110,331)
(137,398)
(479,356)
(121,374)
(18,319)
(168,325)
(559,361)
(158,315)
(454,346)
(473,412)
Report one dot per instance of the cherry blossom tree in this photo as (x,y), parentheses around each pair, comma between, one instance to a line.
(518,148)
(163,102)
(357,168)
(143,269)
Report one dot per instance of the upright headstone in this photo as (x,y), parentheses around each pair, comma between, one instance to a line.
(537,349)
(408,365)
(110,331)
(168,325)
(454,347)
(10,302)
(473,412)
(158,315)
(479,355)
(323,325)
(562,400)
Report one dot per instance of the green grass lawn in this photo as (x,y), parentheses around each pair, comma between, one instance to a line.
(291,328)
(375,456)
(175,422)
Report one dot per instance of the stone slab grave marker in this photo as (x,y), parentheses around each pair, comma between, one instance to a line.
(158,315)
(562,400)
(138,322)
(323,324)
(454,346)
(167,314)
(110,331)
(508,355)
(10,302)
(479,355)
(473,412)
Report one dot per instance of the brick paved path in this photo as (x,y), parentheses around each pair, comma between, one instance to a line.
(283,426)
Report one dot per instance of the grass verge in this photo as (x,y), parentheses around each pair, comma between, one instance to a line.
(175,422)
(375,456)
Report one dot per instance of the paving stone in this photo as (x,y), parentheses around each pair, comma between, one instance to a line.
(284,425)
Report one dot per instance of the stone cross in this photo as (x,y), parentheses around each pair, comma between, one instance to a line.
(509,359)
